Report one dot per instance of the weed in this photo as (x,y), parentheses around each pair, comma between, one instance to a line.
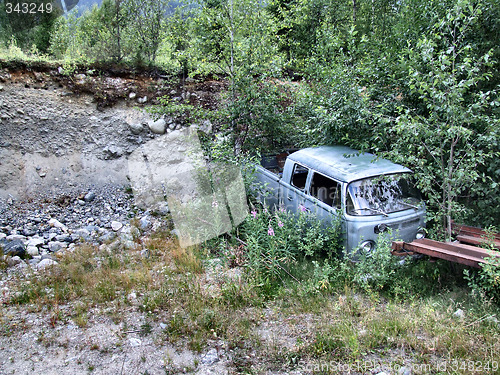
(485,283)
(145,329)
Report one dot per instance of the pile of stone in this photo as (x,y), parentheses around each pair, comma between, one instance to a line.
(34,231)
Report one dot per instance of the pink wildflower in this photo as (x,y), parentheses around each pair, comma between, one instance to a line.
(254,214)
(302,208)
(270,231)
(280,224)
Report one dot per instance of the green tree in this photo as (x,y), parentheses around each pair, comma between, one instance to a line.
(29,28)
(146,25)
(446,139)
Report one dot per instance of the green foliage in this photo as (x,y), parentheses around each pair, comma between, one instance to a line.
(377,269)
(147,26)
(485,283)
(180,112)
(445,139)
(28,28)
(276,240)
(232,34)
(259,114)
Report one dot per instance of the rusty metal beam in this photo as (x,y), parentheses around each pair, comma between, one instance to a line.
(473,240)
(466,230)
(454,252)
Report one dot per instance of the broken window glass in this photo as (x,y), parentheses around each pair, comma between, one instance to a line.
(382,195)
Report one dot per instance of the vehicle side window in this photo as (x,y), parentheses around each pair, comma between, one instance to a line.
(299,176)
(326,190)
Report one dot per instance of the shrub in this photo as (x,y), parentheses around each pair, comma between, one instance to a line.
(276,239)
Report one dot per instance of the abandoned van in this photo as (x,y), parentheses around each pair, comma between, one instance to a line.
(372,195)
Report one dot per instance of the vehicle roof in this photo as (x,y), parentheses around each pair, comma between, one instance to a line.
(344,163)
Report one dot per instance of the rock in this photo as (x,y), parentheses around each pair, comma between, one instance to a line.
(132,95)
(145,253)
(132,298)
(2,235)
(210,357)
(47,256)
(404,371)
(13,261)
(129,245)
(135,342)
(163,325)
(63,238)
(459,314)
(44,263)
(162,208)
(142,100)
(15,237)
(32,250)
(29,231)
(89,197)
(116,225)
(60,70)
(80,78)
(136,128)
(56,246)
(113,152)
(81,233)
(107,236)
(145,223)
(92,229)
(157,126)
(57,224)
(21,265)
(34,261)
(14,248)
(1,88)
(35,241)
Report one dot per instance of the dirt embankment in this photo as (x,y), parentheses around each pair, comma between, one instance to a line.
(60,130)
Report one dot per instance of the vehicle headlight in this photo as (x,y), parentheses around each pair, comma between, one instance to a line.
(380,228)
(367,246)
(420,234)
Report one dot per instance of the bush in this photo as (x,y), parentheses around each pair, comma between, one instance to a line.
(274,240)
(377,269)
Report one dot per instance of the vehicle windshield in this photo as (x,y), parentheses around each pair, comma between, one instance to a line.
(382,195)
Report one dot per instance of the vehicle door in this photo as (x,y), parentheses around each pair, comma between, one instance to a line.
(324,196)
(293,194)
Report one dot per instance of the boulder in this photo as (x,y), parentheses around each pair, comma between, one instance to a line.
(158,126)
(14,248)
(136,128)
(44,263)
(116,225)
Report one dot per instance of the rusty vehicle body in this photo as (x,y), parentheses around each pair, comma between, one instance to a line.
(371,195)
